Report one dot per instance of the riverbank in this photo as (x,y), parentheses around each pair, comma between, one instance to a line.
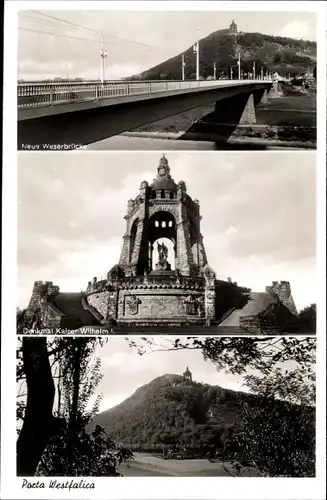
(288,122)
(147,465)
(154,141)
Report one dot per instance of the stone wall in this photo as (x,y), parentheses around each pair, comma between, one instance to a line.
(283,291)
(40,304)
(251,323)
(165,305)
(49,317)
(100,302)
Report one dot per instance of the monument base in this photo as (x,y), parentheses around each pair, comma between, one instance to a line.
(162,272)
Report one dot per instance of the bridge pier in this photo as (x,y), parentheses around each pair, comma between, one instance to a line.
(261,97)
(248,115)
(275,90)
(229,114)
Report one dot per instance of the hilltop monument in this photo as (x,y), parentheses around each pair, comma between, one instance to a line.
(155,286)
(233,28)
(187,375)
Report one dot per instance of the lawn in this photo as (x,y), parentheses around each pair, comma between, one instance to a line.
(147,465)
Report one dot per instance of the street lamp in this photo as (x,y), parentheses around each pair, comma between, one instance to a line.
(239,65)
(196,51)
(103,54)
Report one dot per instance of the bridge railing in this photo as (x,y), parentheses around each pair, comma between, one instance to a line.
(31,95)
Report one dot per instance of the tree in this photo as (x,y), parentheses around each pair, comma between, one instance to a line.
(39,424)
(81,452)
(277,435)
(68,449)
(308,318)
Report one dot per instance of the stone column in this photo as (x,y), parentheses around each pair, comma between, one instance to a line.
(184,258)
(112,304)
(137,243)
(124,255)
(209,295)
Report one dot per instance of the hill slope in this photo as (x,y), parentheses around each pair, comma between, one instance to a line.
(171,411)
(281,54)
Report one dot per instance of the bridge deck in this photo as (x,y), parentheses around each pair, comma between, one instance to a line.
(41,100)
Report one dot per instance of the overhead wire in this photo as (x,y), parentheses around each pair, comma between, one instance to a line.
(101,33)
(59,35)
(43,21)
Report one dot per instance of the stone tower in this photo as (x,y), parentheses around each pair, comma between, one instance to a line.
(233,28)
(163,209)
(283,291)
(176,288)
(187,375)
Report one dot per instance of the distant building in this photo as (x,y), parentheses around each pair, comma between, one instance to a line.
(187,375)
(233,28)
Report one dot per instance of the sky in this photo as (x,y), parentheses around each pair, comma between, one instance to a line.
(258,215)
(134,41)
(124,370)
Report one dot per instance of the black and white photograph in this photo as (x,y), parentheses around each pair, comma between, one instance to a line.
(209,406)
(143,242)
(166,79)
(164,250)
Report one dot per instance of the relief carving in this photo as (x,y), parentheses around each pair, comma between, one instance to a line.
(194,305)
(132,304)
(190,304)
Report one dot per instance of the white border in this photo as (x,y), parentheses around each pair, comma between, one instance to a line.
(150,488)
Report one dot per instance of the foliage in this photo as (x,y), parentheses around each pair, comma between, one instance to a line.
(278,439)
(72,450)
(81,453)
(269,53)
(273,428)
(25,321)
(169,412)
(308,318)
(237,355)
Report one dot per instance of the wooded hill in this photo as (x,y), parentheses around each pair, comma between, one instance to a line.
(272,53)
(170,411)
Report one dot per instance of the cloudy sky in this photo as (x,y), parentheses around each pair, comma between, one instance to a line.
(258,215)
(69,45)
(124,370)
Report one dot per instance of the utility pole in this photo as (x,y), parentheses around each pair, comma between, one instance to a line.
(239,65)
(183,67)
(214,71)
(103,57)
(196,51)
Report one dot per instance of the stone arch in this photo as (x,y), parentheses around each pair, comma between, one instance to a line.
(132,235)
(162,226)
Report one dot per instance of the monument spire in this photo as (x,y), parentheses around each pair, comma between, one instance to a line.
(163,168)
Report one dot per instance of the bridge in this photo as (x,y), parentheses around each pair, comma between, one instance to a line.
(53,115)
